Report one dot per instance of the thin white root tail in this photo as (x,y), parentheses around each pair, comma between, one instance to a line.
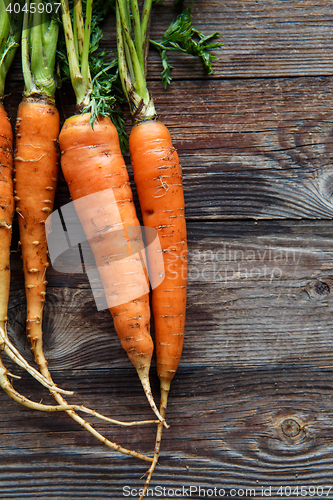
(112,420)
(39,354)
(146,387)
(11,351)
(163,407)
(16,396)
(63,406)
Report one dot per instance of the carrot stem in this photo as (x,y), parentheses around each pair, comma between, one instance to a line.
(4,21)
(86,42)
(76,77)
(140,83)
(131,69)
(27,75)
(124,69)
(10,31)
(39,42)
(137,31)
(78,28)
(145,23)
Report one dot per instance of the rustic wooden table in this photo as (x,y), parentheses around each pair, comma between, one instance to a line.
(250,409)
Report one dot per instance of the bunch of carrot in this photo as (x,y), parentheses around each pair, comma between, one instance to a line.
(93,167)
(36,172)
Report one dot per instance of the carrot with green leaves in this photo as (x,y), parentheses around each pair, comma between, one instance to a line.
(94,169)
(158,177)
(36,173)
(10,31)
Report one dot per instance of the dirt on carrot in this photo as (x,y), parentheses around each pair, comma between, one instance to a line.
(158,178)
(36,175)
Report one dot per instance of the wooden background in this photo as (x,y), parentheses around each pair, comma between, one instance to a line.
(251,404)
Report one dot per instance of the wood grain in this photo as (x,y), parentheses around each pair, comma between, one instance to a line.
(250,148)
(252,435)
(262,292)
(260,303)
(260,39)
(254,148)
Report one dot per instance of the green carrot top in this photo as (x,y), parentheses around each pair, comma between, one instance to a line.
(132,52)
(132,45)
(93,73)
(77,36)
(10,32)
(39,43)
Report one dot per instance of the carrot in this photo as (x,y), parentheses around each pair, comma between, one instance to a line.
(36,172)
(97,153)
(92,163)
(10,26)
(6,211)
(158,179)
(6,216)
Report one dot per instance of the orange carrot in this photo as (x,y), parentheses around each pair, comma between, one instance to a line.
(6,211)
(36,174)
(6,215)
(36,165)
(10,33)
(158,178)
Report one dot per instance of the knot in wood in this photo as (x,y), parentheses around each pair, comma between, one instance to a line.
(290,427)
(322,288)
(318,290)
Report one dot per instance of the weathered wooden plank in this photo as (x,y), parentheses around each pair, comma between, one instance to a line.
(261,39)
(261,292)
(283,38)
(268,427)
(249,148)
(250,406)
(253,148)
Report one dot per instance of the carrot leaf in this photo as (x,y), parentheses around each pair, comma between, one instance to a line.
(39,42)
(130,61)
(10,31)
(105,94)
(181,36)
